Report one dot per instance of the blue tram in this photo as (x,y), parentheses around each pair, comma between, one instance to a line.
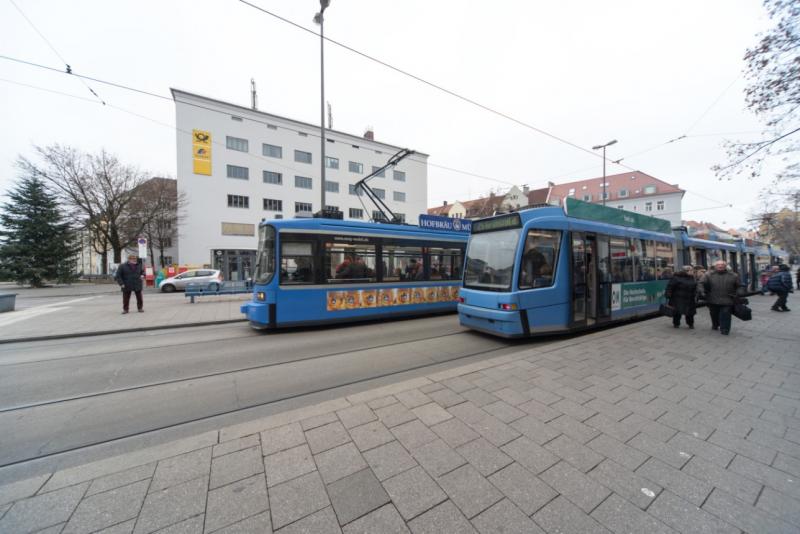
(314,271)
(544,270)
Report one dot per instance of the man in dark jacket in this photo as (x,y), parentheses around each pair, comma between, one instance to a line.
(720,288)
(129,277)
(780,283)
(681,292)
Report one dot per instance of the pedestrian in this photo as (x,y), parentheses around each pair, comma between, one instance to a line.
(720,288)
(681,294)
(798,278)
(780,283)
(129,277)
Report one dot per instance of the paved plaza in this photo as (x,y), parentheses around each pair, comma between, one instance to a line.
(639,428)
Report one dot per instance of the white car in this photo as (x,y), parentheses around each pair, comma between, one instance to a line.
(209,278)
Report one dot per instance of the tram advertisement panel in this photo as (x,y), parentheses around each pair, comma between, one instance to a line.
(632,294)
(395,296)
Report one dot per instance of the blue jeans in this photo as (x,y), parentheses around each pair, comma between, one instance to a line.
(720,317)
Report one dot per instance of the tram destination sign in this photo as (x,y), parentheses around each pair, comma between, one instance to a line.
(503,222)
(595,212)
(448,224)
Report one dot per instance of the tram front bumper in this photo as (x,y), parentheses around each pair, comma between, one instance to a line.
(497,322)
(256,312)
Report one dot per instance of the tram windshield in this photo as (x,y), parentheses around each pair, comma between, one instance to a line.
(490,260)
(265,259)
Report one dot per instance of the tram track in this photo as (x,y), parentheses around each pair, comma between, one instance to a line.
(219,373)
(41,453)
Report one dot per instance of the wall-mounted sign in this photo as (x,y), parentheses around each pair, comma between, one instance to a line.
(437,222)
(201,152)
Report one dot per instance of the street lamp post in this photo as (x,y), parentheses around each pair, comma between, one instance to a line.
(319,19)
(598,147)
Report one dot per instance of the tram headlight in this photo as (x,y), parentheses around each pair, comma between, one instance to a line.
(261,296)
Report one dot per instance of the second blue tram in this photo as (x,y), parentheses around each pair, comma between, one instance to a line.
(542,271)
(314,271)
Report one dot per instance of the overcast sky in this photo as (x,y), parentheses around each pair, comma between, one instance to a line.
(642,72)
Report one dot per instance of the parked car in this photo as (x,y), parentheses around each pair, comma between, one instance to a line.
(210,278)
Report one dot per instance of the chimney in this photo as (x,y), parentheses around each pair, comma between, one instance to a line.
(445,203)
(526,189)
(551,184)
(253,95)
(369,134)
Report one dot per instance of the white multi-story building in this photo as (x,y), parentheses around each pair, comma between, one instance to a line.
(237,166)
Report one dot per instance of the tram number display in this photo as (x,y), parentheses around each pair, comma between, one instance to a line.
(503,222)
(395,296)
(633,294)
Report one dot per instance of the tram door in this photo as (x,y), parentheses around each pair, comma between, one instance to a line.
(584,279)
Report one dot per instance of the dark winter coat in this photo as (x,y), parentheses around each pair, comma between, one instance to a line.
(781,282)
(681,292)
(129,276)
(720,289)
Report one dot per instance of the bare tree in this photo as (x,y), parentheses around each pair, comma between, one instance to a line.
(99,188)
(779,220)
(772,93)
(159,198)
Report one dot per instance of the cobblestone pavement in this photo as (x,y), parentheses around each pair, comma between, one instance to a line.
(98,309)
(640,428)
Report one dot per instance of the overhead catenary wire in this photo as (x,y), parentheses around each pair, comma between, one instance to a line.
(68,68)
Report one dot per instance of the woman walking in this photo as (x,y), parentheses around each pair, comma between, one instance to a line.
(680,293)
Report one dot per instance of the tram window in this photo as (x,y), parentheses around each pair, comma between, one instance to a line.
(347,262)
(539,259)
(445,263)
(621,260)
(664,261)
(402,264)
(297,263)
(647,261)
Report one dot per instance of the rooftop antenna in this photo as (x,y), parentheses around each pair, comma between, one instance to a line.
(380,204)
(253,95)
(330,116)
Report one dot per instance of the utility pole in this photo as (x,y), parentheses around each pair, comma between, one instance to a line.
(320,19)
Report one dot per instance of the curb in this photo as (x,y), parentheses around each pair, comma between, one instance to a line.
(118,331)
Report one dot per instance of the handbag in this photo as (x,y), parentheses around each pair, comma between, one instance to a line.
(742,312)
(666,310)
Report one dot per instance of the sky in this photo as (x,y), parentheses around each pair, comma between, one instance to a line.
(584,72)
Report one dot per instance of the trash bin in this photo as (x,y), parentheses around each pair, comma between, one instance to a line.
(7,301)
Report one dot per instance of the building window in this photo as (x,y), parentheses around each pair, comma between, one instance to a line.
(271,127)
(331,163)
(273,178)
(400,217)
(331,187)
(356,167)
(166,242)
(303,182)
(660,205)
(400,176)
(649,189)
(381,174)
(399,196)
(648,206)
(236,143)
(328,207)
(587,198)
(623,193)
(302,157)
(237,119)
(379,216)
(302,207)
(357,191)
(167,260)
(272,151)
(571,192)
(273,204)
(240,173)
(606,195)
(356,213)
(238,201)
(620,207)
(302,134)
(380,193)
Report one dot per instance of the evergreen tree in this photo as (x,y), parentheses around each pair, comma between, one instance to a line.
(36,243)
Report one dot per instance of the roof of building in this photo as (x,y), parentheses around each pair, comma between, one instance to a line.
(440,210)
(632,182)
(242,110)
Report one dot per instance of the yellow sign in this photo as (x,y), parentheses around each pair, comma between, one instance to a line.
(395,296)
(201,152)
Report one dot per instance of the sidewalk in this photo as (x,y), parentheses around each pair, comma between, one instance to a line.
(640,428)
(75,310)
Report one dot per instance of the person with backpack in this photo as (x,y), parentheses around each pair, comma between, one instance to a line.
(720,288)
(780,283)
